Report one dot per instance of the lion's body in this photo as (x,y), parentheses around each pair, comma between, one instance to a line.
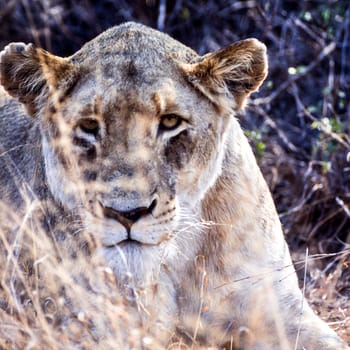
(136,135)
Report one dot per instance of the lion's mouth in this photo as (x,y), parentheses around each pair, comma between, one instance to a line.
(110,243)
(126,229)
(128,242)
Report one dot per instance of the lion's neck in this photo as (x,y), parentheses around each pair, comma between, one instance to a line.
(238,204)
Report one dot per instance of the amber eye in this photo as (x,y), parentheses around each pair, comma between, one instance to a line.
(169,122)
(89,126)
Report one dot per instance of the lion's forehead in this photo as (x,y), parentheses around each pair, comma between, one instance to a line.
(138,72)
(131,109)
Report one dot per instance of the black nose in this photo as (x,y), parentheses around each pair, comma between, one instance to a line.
(129,217)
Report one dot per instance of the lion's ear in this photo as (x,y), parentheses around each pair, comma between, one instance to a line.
(239,68)
(28,73)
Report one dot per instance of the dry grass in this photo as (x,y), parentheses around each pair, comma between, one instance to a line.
(52,297)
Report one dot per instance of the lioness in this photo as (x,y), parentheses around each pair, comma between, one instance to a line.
(136,135)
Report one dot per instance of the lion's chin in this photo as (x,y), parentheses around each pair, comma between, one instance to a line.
(134,264)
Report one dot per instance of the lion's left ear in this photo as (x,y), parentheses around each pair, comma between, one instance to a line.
(239,69)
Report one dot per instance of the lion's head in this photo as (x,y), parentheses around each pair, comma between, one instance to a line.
(133,131)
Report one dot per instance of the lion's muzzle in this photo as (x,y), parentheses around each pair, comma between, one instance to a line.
(129,217)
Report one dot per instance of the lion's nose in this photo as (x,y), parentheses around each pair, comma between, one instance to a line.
(129,217)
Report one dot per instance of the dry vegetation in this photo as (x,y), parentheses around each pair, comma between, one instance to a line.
(299,125)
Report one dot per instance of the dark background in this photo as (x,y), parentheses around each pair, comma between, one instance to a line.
(298,123)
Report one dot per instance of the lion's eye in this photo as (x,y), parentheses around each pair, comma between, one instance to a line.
(89,126)
(169,122)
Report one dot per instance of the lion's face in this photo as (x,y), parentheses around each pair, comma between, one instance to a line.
(135,159)
(133,131)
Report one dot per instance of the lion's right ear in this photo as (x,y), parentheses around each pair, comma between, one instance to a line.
(28,73)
